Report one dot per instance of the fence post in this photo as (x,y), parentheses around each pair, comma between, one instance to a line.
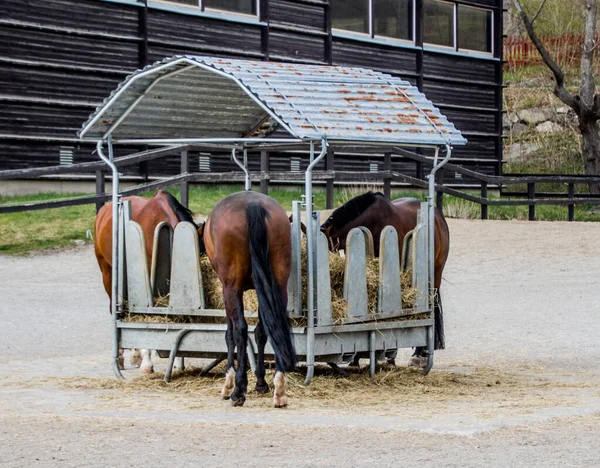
(387,181)
(100,186)
(329,186)
(571,206)
(439,195)
(264,172)
(484,194)
(184,187)
(531,196)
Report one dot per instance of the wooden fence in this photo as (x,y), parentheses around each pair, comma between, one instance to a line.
(520,51)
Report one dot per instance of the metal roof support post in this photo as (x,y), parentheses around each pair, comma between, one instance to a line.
(311,250)
(115,248)
(431,251)
(243,166)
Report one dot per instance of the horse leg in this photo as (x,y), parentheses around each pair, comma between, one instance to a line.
(230,372)
(146,367)
(234,303)
(280,399)
(261,340)
(136,358)
(419,357)
(121,359)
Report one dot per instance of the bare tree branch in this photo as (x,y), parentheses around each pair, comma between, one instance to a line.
(559,77)
(538,12)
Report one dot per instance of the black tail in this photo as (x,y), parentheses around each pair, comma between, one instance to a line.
(271,305)
(440,339)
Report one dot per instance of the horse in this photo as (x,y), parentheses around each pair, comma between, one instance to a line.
(374,211)
(148,213)
(248,242)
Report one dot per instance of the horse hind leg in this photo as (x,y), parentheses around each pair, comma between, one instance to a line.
(136,358)
(146,366)
(261,340)
(229,384)
(280,399)
(235,309)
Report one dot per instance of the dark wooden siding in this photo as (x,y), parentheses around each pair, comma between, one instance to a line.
(60,58)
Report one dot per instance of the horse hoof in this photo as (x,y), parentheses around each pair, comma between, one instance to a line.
(417,361)
(280,402)
(147,370)
(238,402)
(262,388)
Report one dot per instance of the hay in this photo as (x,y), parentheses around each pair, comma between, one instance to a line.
(213,293)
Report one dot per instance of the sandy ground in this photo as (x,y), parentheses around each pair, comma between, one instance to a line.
(522,305)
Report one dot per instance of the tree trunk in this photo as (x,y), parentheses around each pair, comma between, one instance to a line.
(591,150)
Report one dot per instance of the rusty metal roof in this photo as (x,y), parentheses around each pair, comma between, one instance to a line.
(207,97)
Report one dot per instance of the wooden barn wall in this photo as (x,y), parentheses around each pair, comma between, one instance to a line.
(60,58)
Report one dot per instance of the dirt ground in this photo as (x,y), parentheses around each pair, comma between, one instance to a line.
(519,384)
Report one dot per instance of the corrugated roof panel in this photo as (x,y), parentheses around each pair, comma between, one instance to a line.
(206,97)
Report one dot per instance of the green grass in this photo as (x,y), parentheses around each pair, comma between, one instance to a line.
(21,233)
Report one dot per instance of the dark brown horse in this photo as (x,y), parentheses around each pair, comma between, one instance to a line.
(148,213)
(374,211)
(248,241)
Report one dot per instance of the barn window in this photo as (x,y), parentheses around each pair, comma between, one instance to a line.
(438,23)
(377,18)
(458,26)
(248,7)
(474,29)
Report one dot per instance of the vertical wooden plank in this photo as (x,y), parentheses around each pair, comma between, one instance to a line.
(100,187)
(571,195)
(264,170)
(387,182)
(484,194)
(138,279)
(389,293)
(184,187)
(186,278)
(329,167)
(355,277)
(531,196)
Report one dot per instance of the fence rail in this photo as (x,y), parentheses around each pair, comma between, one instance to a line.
(531,198)
(565,49)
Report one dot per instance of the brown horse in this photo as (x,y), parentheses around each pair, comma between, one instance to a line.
(247,238)
(374,211)
(148,213)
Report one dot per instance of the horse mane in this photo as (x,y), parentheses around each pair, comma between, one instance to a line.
(352,209)
(182,213)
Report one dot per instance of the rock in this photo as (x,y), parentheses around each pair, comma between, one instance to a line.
(564,110)
(505,121)
(517,129)
(548,127)
(78,242)
(518,151)
(535,116)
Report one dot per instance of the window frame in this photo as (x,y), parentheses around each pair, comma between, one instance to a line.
(379,38)
(201,9)
(455,34)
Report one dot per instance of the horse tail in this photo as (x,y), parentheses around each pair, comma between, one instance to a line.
(271,304)
(440,338)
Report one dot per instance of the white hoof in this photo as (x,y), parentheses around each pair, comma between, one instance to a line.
(146,366)
(280,399)
(417,361)
(229,384)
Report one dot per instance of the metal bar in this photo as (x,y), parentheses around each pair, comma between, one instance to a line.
(173,353)
(192,141)
(571,209)
(184,186)
(372,360)
(247,183)
(311,251)
(115,236)
(531,196)
(212,365)
(439,200)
